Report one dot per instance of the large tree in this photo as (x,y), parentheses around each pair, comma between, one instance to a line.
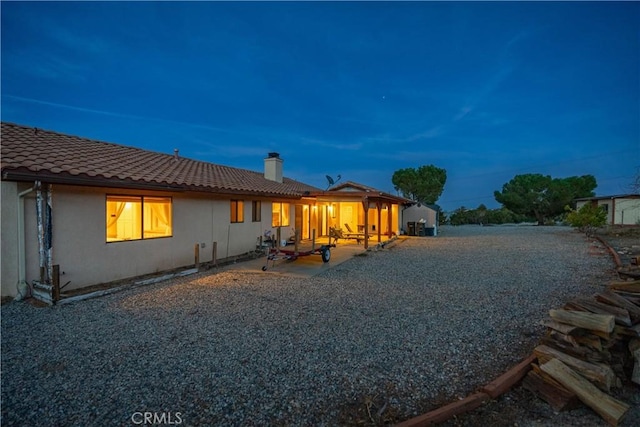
(541,196)
(424,184)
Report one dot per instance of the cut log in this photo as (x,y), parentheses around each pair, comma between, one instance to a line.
(562,338)
(631,287)
(581,351)
(586,304)
(591,341)
(633,331)
(555,395)
(599,373)
(634,348)
(612,298)
(610,409)
(595,322)
(561,327)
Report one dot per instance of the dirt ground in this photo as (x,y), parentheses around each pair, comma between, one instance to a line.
(519,407)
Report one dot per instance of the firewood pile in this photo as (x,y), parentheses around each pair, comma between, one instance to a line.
(591,347)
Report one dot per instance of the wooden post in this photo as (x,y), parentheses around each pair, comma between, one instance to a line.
(278,237)
(313,239)
(379,208)
(365,206)
(196,253)
(297,235)
(214,255)
(55,282)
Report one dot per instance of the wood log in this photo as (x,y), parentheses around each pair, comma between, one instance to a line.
(555,395)
(561,327)
(633,331)
(631,287)
(562,338)
(591,341)
(609,408)
(612,298)
(599,373)
(634,348)
(621,315)
(595,322)
(580,352)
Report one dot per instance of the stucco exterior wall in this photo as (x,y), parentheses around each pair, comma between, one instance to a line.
(414,214)
(627,211)
(85,257)
(9,241)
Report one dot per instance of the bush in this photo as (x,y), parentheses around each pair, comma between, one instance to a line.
(587,218)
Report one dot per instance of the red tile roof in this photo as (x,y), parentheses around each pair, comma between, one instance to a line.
(35,154)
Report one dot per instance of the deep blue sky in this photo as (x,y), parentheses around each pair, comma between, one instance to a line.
(484,90)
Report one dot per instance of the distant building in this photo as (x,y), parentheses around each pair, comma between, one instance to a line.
(621,209)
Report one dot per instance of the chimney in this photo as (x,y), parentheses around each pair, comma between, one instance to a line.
(273,167)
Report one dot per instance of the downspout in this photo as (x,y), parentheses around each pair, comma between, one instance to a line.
(22,286)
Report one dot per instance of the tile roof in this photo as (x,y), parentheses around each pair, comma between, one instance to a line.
(31,153)
(355,187)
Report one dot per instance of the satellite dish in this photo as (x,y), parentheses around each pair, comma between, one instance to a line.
(330,180)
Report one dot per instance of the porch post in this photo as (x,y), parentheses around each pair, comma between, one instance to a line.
(389,218)
(365,206)
(379,208)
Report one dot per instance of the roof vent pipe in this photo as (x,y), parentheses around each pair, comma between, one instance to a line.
(175,154)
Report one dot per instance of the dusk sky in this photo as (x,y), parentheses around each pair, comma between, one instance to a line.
(484,90)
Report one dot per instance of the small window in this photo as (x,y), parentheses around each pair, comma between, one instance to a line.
(138,217)
(237,211)
(605,207)
(256,211)
(280,214)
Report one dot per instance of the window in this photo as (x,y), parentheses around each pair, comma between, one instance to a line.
(237,211)
(138,217)
(605,207)
(256,211)
(280,214)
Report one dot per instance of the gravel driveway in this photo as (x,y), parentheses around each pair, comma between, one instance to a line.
(381,337)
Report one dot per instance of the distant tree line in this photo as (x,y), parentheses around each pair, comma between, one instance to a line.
(483,216)
(525,198)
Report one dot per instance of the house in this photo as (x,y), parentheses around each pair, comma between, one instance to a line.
(622,209)
(87,212)
(362,209)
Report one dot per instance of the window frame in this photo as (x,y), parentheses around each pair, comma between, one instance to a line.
(256,211)
(238,218)
(137,198)
(273,223)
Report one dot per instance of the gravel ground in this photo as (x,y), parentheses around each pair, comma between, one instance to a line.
(377,339)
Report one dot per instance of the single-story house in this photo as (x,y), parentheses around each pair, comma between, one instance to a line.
(622,209)
(102,212)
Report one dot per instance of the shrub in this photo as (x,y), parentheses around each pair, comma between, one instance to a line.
(587,218)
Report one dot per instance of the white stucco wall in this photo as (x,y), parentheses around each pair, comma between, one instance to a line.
(627,211)
(79,236)
(415,214)
(9,241)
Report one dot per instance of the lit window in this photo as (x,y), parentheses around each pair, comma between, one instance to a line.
(280,214)
(135,218)
(256,211)
(237,211)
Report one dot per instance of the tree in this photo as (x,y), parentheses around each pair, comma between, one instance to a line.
(587,218)
(424,184)
(543,197)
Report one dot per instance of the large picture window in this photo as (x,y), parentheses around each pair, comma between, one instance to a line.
(237,211)
(138,217)
(280,214)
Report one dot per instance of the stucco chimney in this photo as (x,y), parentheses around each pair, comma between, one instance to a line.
(273,167)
